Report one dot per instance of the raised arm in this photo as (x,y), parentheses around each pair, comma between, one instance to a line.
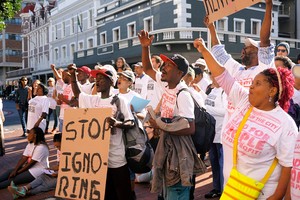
(213,33)
(146,41)
(55,72)
(265,31)
(214,66)
(75,88)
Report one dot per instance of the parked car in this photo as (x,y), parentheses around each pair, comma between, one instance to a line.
(12,96)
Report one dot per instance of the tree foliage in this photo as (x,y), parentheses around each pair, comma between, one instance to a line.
(8,9)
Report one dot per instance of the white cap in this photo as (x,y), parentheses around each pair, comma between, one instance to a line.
(249,41)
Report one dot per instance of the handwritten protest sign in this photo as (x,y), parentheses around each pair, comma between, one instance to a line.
(84,154)
(217,9)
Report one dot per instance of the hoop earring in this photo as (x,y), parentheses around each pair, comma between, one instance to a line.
(270,99)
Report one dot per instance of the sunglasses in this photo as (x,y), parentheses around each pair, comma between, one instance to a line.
(281,50)
(24,80)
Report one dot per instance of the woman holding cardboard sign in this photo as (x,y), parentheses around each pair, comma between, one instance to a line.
(267,133)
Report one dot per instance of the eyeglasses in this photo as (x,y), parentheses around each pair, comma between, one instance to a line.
(281,50)
(24,80)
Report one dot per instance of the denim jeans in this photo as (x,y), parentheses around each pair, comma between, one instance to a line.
(23,112)
(50,112)
(216,160)
(60,127)
(178,192)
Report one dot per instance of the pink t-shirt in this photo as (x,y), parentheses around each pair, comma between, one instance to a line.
(266,135)
(295,174)
(68,94)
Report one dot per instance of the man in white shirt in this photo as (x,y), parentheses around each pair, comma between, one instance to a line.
(181,106)
(255,56)
(118,180)
(141,80)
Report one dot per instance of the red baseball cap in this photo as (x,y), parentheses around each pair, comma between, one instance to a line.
(85,69)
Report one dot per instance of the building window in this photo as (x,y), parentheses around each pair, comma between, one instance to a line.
(131,30)
(90,43)
(55,32)
(116,34)
(72,51)
(90,18)
(80,46)
(63,29)
(64,52)
(72,25)
(148,24)
(102,38)
(222,24)
(239,25)
(255,26)
(56,54)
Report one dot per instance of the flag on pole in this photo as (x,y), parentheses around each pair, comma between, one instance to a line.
(37,6)
(45,4)
(79,23)
(30,13)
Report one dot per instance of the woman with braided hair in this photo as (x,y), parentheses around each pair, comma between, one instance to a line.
(269,133)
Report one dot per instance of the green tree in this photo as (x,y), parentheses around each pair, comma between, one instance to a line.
(8,9)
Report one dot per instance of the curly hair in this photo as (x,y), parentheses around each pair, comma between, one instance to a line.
(287,82)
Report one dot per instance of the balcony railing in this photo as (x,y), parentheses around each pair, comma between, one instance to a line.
(183,36)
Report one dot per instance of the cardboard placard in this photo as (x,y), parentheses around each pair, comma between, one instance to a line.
(217,9)
(84,154)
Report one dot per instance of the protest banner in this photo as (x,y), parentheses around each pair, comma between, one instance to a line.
(217,9)
(84,154)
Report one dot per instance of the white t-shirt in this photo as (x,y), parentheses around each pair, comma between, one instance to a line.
(86,87)
(266,135)
(116,156)
(295,180)
(154,93)
(68,94)
(216,104)
(50,97)
(197,96)
(203,83)
(172,105)
(39,153)
(37,106)
(140,85)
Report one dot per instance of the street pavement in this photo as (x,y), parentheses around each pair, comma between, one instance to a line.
(15,145)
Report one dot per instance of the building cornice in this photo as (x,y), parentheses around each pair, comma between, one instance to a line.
(117,10)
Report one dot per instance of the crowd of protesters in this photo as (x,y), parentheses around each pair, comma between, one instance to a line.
(262,88)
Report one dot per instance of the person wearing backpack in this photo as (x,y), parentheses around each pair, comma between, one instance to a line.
(125,80)
(216,103)
(118,180)
(175,161)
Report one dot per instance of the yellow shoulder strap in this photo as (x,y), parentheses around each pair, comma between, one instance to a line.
(235,145)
